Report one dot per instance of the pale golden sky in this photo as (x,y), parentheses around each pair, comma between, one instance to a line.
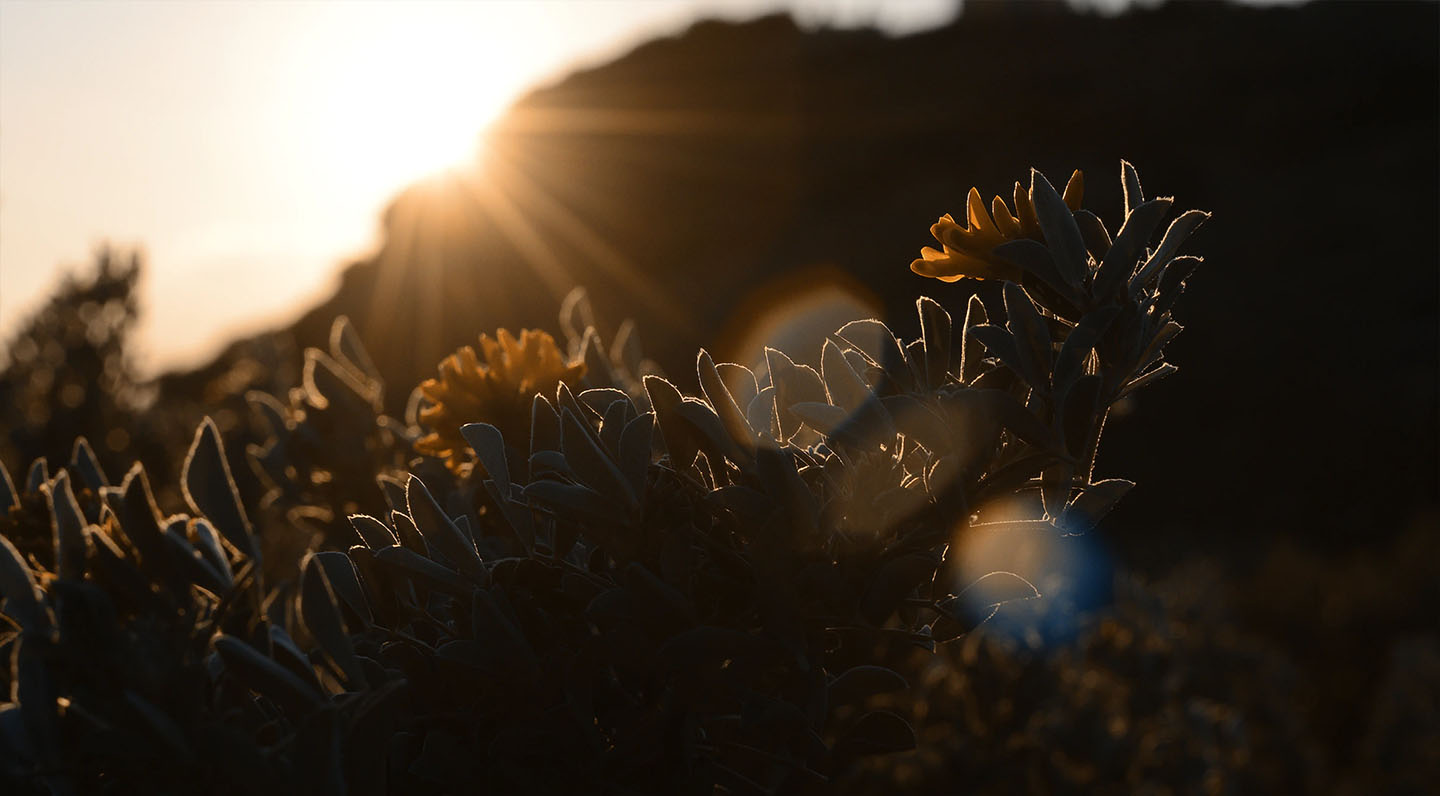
(249,146)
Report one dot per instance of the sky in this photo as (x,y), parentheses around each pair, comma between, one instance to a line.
(247,148)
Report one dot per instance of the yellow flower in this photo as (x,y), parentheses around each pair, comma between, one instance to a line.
(967,252)
(498,391)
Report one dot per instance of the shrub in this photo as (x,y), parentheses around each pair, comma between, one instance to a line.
(637,590)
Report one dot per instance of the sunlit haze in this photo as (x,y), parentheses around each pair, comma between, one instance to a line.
(249,147)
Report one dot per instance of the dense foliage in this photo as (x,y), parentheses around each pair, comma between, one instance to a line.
(560,572)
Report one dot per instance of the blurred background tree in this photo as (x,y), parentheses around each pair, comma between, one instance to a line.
(70,373)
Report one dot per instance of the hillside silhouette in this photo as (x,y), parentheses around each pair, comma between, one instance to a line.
(684,179)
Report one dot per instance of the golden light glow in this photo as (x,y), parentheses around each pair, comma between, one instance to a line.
(406,95)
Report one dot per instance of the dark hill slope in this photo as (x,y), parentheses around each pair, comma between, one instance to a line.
(680,179)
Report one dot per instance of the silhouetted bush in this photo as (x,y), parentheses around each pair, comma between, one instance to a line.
(570,576)
(68,373)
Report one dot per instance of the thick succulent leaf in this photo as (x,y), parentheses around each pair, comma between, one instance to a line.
(1032,336)
(159,723)
(544,426)
(676,432)
(919,420)
(422,570)
(328,384)
(86,466)
(875,340)
(576,313)
(264,676)
(793,384)
(1035,259)
(1093,231)
(1000,344)
(187,565)
(1090,507)
(1062,235)
(1070,363)
(591,464)
(780,479)
(859,683)
(761,413)
(1150,377)
(37,476)
(24,601)
(67,524)
(1175,236)
(597,364)
(876,733)
(612,425)
(711,435)
(1130,181)
(394,491)
(409,535)
(550,464)
(441,532)
(935,331)
(599,400)
(207,543)
(140,518)
(34,691)
(1055,487)
(345,347)
(740,381)
(915,360)
(998,588)
(1081,408)
(970,356)
(724,404)
(636,443)
(823,417)
(979,602)
(372,531)
(565,399)
(322,618)
(1074,194)
(1129,247)
(573,501)
(1016,417)
(210,490)
(489,446)
(956,619)
(1156,347)
(517,515)
(1172,282)
(345,583)
(626,349)
(271,410)
(751,504)
(8,496)
(843,385)
(112,567)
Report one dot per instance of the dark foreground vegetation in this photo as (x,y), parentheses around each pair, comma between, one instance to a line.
(546,568)
(557,573)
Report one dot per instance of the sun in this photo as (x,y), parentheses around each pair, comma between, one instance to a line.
(397,96)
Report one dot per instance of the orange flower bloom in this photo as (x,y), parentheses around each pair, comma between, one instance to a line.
(497,391)
(967,252)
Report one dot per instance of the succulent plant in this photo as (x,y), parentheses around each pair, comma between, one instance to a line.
(573,576)
(142,654)
(327,440)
